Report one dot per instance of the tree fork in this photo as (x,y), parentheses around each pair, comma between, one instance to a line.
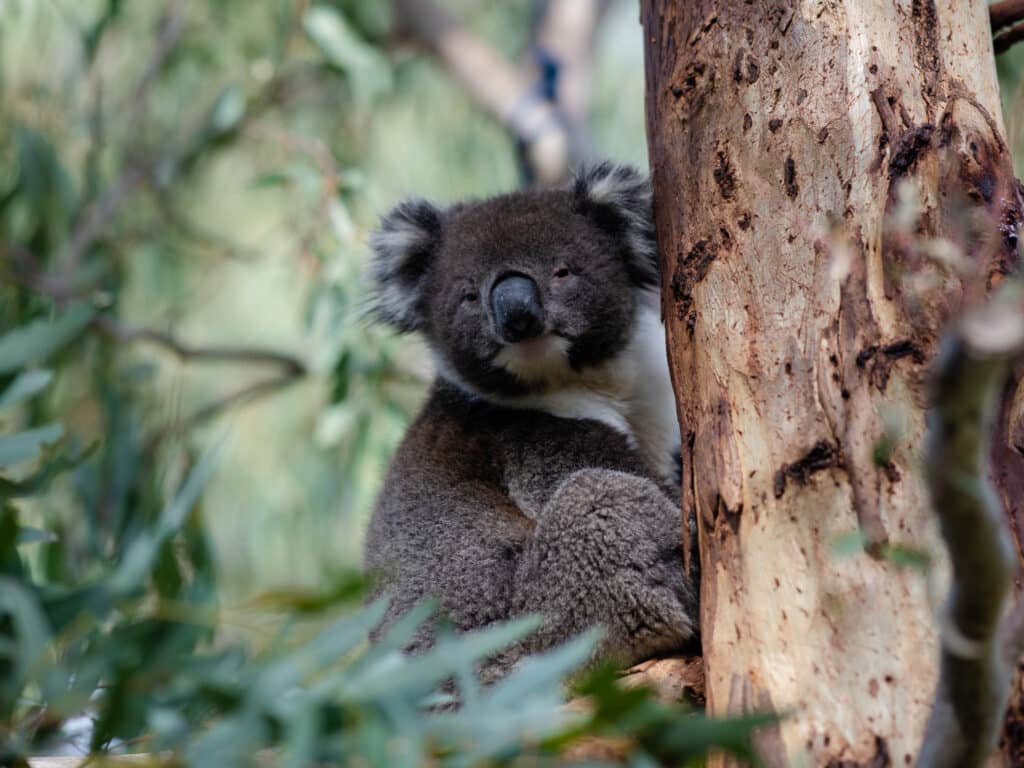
(783,137)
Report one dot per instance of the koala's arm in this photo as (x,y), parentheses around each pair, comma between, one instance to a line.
(606,551)
(542,452)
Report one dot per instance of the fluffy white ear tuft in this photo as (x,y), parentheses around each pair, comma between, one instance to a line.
(404,246)
(619,198)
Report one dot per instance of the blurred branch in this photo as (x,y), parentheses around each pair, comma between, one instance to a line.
(293,369)
(95,220)
(1005,40)
(113,329)
(189,230)
(1005,14)
(1005,29)
(565,38)
(507,92)
(974,675)
(241,397)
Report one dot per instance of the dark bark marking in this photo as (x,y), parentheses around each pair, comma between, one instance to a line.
(908,148)
(878,360)
(774,124)
(789,172)
(725,176)
(690,270)
(881,759)
(1011,740)
(752,71)
(824,455)
(731,517)
(737,67)
(926,44)
(690,84)
(747,74)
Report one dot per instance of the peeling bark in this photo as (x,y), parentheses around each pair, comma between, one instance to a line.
(785,140)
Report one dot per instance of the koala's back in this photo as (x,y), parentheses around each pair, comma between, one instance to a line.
(465,490)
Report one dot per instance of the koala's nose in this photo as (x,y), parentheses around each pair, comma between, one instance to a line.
(518,313)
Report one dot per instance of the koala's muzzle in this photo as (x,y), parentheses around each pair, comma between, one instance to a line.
(518,313)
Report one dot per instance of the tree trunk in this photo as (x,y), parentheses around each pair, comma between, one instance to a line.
(804,296)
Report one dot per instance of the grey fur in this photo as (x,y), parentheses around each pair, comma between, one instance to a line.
(496,502)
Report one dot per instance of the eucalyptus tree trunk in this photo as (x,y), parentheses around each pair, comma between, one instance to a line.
(804,297)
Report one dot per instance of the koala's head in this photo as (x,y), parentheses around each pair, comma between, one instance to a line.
(523,292)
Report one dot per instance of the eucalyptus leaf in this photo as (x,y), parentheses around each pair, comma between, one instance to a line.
(38,340)
(29,535)
(27,445)
(30,631)
(27,384)
(228,111)
(141,556)
(324,649)
(449,655)
(367,69)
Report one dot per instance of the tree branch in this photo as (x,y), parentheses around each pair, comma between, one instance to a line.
(1005,14)
(1005,40)
(111,328)
(974,675)
(502,89)
(95,219)
(566,36)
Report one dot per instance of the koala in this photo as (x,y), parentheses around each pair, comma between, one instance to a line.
(539,476)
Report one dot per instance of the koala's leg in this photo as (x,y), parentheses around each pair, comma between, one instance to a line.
(608,551)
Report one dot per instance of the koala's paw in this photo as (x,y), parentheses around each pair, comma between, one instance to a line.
(658,613)
(623,535)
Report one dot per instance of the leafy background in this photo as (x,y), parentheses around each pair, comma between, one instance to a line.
(195,414)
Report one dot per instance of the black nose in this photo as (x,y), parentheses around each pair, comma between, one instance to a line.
(518,313)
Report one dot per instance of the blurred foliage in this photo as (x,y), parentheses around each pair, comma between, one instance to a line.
(185,192)
(215,179)
(122,639)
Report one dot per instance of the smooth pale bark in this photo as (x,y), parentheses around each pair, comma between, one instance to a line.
(781,135)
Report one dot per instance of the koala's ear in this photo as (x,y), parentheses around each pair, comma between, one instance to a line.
(618,199)
(404,246)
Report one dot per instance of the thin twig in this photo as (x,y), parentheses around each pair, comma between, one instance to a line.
(974,674)
(566,35)
(113,329)
(244,395)
(501,88)
(1005,40)
(96,218)
(1005,14)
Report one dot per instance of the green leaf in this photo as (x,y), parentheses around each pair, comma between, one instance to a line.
(25,386)
(29,535)
(368,70)
(36,341)
(329,645)
(907,557)
(544,670)
(401,676)
(27,445)
(141,556)
(848,544)
(10,561)
(228,111)
(31,634)
(55,461)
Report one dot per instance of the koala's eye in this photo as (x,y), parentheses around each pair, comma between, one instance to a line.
(470,297)
(561,273)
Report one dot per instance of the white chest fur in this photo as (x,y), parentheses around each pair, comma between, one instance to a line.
(631,393)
